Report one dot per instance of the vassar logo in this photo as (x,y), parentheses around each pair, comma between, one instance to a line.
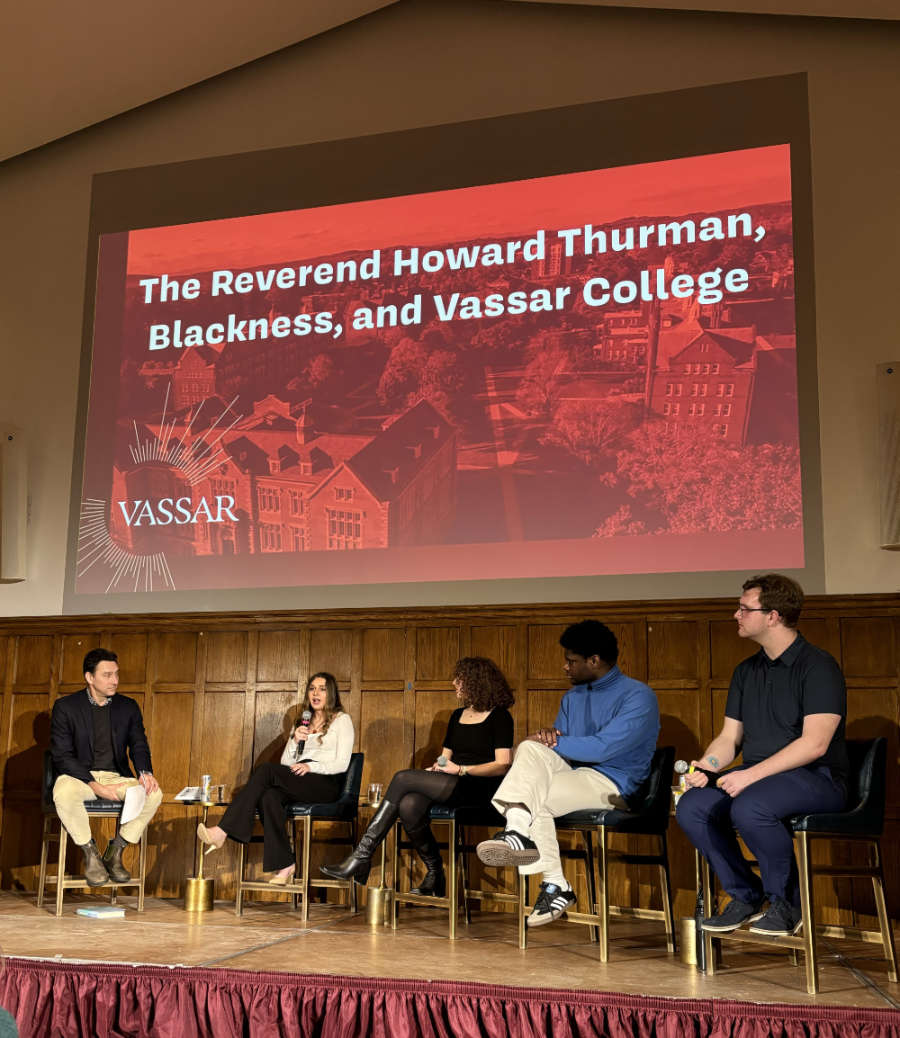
(180,511)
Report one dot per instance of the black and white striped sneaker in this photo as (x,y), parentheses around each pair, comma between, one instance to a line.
(551,903)
(507,848)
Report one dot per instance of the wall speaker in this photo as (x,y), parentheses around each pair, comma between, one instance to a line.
(888,381)
(13,504)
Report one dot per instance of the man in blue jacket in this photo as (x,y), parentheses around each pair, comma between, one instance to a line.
(92,734)
(596,755)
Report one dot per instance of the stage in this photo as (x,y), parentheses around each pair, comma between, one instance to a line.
(339,976)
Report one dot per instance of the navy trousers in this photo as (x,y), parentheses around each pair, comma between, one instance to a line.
(712,819)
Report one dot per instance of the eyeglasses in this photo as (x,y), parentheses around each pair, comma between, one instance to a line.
(743,610)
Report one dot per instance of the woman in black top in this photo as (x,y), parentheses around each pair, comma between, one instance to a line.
(477,753)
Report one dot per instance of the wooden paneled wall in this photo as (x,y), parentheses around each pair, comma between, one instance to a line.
(219,692)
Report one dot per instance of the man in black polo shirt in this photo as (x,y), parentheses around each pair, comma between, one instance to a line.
(785,713)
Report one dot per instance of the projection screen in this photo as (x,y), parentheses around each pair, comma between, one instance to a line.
(487,361)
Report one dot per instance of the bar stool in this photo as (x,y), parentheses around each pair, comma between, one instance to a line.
(862,822)
(459,820)
(648,816)
(304,816)
(54,832)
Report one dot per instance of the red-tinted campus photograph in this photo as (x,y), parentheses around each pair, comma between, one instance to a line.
(587,373)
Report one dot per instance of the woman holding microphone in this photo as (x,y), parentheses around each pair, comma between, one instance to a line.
(476,754)
(311,772)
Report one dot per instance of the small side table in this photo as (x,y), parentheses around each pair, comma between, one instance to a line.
(199,891)
(379,900)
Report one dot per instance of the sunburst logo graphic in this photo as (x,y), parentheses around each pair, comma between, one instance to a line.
(190,457)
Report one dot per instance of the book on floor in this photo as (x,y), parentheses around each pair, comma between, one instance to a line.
(103,912)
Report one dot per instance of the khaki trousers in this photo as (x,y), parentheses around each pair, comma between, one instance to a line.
(70,795)
(548,786)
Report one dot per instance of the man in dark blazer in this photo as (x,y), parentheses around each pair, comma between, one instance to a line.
(92,734)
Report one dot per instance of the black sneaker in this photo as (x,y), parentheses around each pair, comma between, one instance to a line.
(782,920)
(735,914)
(507,848)
(552,902)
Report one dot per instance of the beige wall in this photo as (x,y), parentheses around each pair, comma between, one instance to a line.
(422,63)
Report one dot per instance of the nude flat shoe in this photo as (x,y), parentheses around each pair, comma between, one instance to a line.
(282,881)
(204,837)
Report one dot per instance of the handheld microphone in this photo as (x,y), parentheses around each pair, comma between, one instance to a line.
(441,761)
(683,768)
(303,723)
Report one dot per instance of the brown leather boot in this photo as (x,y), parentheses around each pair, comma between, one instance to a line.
(94,870)
(112,859)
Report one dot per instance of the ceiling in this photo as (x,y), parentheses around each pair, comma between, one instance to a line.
(65,66)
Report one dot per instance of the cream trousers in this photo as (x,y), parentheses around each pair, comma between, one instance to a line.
(70,794)
(549,787)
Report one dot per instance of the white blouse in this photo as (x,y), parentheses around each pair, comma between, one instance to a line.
(327,754)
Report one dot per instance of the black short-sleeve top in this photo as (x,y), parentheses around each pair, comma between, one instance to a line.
(772,697)
(476,743)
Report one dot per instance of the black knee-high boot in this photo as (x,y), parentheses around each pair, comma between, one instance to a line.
(357,864)
(426,846)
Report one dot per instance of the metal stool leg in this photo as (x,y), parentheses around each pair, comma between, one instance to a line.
(604,894)
(464,872)
(353,897)
(142,869)
(884,920)
(807,908)
(395,872)
(452,879)
(304,878)
(45,847)
(239,894)
(590,870)
(61,868)
(666,888)
(709,949)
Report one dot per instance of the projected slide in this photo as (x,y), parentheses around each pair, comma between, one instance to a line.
(589,373)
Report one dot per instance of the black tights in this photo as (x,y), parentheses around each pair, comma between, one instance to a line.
(414,791)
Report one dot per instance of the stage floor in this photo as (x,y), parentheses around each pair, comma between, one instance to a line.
(267,937)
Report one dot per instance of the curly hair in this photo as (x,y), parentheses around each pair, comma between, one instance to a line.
(332,699)
(484,686)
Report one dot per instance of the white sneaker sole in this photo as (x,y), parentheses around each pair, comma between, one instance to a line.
(499,854)
(777,933)
(730,928)
(542,920)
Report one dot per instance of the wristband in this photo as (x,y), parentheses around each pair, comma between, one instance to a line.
(463,770)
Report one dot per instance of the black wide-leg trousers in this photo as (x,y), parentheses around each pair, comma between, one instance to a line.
(272,787)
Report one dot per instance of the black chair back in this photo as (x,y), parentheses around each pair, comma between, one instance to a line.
(353,780)
(48,777)
(648,807)
(653,800)
(867,778)
(346,805)
(866,784)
